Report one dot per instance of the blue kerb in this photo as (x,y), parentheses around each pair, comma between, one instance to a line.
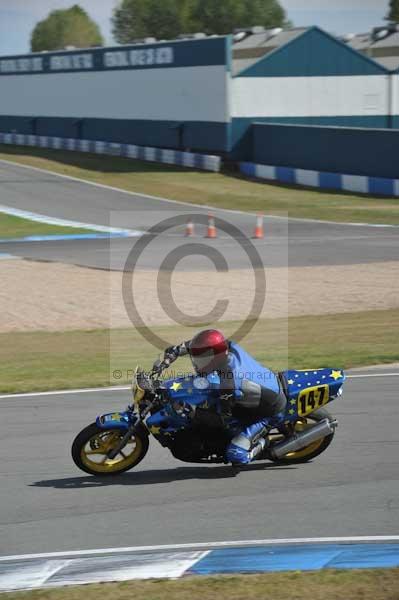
(198,161)
(158,155)
(285,174)
(330,180)
(379,185)
(248,169)
(67,236)
(305,557)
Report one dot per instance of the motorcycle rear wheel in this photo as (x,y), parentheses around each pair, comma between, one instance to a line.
(92,444)
(315,448)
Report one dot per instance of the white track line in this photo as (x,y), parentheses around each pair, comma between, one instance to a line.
(207,545)
(119,388)
(360,376)
(201,206)
(39,218)
(115,388)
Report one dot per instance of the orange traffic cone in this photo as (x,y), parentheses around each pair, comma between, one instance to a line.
(189,228)
(259,233)
(211,232)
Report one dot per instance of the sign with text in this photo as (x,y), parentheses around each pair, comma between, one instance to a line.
(186,53)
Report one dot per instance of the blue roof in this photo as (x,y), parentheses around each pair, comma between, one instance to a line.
(314,53)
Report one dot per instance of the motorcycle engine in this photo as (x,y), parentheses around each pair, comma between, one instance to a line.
(199,446)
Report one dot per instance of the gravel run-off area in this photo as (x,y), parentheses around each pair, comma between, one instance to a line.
(54,297)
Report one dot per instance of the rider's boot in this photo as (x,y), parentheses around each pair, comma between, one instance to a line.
(257,449)
(248,444)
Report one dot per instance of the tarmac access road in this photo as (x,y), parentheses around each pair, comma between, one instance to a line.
(291,242)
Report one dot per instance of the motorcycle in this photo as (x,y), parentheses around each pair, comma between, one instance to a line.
(182,414)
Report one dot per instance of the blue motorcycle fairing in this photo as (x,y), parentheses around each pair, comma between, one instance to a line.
(204,391)
(185,393)
(194,390)
(300,385)
(298,381)
(116,420)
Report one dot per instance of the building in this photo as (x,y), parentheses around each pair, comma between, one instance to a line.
(305,76)
(380,44)
(201,94)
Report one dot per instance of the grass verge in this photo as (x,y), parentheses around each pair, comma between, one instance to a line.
(60,360)
(16,227)
(367,584)
(223,190)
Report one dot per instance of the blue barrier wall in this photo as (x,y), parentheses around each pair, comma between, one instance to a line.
(176,135)
(242,131)
(372,152)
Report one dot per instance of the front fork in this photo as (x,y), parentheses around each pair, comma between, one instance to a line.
(122,421)
(122,442)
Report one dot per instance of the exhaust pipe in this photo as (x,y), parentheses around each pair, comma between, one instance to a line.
(304,438)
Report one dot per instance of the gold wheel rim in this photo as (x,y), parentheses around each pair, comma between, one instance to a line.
(94,452)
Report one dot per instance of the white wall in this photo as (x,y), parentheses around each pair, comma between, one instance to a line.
(395,98)
(310,96)
(186,94)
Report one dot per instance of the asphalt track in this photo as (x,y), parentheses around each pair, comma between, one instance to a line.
(287,242)
(47,504)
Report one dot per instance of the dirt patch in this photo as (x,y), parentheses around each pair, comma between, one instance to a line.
(53,296)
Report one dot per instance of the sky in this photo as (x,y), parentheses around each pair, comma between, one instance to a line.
(18,17)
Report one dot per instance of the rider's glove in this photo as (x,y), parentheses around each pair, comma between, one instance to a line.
(171,353)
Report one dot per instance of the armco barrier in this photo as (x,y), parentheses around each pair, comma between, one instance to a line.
(203,162)
(376,186)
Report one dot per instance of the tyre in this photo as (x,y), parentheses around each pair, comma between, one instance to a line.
(91,446)
(315,448)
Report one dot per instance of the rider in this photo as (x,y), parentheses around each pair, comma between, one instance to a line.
(244,384)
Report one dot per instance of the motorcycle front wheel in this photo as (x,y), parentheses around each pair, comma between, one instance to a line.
(91,446)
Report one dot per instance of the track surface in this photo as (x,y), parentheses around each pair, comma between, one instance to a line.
(46,504)
(292,242)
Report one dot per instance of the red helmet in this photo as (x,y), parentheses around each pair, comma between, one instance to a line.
(208,350)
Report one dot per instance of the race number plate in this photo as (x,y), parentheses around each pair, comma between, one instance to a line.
(312,398)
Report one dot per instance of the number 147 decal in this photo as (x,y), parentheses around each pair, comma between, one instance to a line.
(312,398)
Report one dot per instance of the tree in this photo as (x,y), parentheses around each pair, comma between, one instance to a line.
(224,17)
(167,18)
(393,14)
(135,19)
(62,28)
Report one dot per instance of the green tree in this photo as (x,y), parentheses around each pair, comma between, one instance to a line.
(224,17)
(393,14)
(167,18)
(188,21)
(135,19)
(70,27)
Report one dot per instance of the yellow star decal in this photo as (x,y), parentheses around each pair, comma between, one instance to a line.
(155,430)
(291,411)
(176,386)
(336,375)
(292,401)
(290,381)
